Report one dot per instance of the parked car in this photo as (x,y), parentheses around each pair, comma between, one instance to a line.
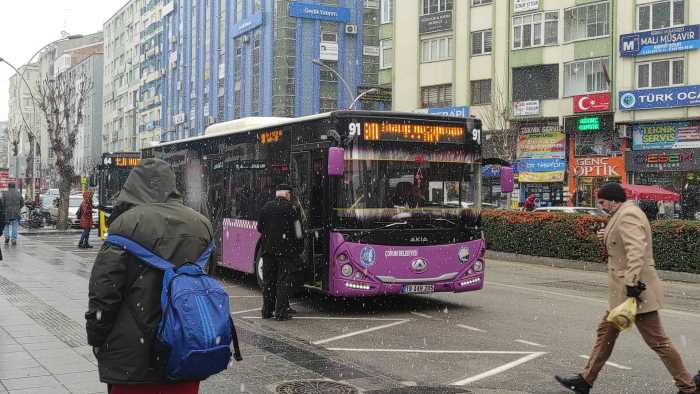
(574,210)
(484,205)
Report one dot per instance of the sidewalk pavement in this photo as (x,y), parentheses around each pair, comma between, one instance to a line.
(43,349)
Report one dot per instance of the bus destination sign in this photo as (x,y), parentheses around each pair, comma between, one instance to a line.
(408,132)
(268,137)
(124,161)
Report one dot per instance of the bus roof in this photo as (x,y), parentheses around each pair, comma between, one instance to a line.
(256,122)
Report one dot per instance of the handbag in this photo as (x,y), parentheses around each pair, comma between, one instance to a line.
(622,316)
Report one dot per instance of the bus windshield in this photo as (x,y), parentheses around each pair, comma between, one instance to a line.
(112,180)
(398,186)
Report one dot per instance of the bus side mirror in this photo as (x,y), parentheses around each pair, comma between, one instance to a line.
(507,179)
(336,161)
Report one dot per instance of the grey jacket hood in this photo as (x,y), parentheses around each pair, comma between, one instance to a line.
(152,181)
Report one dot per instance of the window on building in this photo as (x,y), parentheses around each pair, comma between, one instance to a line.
(660,73)
(481,42)
(587,21)
(536,82)
(386,54)
(436,96)
(433,6)
(585,76)
(481,92)
(436,49)
(535,30)
(660,15)
(386,11)
(481,2)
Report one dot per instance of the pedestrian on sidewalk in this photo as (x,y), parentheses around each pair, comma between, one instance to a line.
(631,273)
(124,307)
(13,204)
(2,219)
(85,216)
(282,243)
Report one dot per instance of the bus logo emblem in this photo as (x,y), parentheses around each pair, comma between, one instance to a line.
(367,256)
(419,265)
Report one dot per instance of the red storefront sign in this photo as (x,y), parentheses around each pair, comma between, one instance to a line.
(599,166)
(592,102)
(5,179)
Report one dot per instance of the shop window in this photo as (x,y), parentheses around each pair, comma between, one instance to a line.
(586,76)
(436,96)
(534,30)
(660,73)
(435,6)
(586,22)
(481,92)
(436,49)
(481,42)
(386,11)
(536,82)
(660,15)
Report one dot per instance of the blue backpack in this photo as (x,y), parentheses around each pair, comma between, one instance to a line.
(193,338)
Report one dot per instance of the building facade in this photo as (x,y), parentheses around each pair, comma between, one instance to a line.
(229,59)
(586,88)
(25,115)
(87,153)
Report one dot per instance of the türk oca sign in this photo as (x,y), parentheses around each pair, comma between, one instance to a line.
(681,96)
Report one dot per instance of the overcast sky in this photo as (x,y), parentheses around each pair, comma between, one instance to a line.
(27,25)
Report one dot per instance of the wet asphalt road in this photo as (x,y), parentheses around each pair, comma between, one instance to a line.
(529,323)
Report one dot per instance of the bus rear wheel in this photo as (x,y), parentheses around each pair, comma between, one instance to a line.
(259,270)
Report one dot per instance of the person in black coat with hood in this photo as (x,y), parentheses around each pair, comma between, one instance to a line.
(282,242)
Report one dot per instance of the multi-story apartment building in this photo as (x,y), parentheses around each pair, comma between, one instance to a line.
(229,59)
(149,97)
(4,142)
(122,70)
(87,153)
(58,57)
(576,86)
(24,113)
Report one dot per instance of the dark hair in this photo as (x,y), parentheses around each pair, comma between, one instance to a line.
(612,191)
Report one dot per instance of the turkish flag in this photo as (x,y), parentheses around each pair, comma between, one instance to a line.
(593,102)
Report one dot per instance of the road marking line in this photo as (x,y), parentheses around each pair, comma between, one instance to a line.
(470,328)
(375,350)
(246,311)
(610,364)
(498,370)
(529,343)
(351,334)
(596,300)
(421,315)
(333,318)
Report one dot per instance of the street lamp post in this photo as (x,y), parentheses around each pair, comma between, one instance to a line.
(347,86)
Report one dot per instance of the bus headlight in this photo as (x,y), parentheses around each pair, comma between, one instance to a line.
(478,266)
(346,270)
(342,258)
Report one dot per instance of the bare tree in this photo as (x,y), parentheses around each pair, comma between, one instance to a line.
(13,133)
(500,138)
(62,100)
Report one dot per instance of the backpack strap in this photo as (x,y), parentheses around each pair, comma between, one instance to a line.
(140,252)
(203,260)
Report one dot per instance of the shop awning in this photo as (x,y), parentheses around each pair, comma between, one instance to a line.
(654,193)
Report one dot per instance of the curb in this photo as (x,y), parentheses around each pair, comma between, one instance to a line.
(582,265)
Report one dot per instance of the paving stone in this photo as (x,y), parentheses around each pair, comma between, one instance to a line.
(31,382)
(23,372)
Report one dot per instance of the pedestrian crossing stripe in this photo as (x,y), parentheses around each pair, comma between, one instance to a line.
(240,223)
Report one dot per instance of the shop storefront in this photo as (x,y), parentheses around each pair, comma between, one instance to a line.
(541,162)
(595,155)
(677,170)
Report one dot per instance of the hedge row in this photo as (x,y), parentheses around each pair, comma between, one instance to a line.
(566,236)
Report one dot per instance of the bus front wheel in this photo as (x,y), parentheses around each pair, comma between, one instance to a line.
(259,270)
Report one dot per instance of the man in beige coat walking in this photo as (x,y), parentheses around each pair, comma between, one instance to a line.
(631,273)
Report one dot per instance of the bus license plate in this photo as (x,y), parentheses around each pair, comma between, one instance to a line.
(413,289)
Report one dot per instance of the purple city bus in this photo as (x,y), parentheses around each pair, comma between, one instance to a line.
(389,201)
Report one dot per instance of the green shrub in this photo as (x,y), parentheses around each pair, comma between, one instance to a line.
(572,237)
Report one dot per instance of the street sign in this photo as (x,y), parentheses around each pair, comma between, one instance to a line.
(462,112)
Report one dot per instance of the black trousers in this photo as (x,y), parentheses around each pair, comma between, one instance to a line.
(276,285)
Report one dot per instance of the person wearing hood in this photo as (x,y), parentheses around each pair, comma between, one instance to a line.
(13,204)
(85,216)
(124,293)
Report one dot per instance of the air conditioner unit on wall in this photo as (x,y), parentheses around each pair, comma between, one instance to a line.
(350,29)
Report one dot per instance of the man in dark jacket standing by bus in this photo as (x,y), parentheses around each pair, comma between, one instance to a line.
(124,293)
(282,242)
